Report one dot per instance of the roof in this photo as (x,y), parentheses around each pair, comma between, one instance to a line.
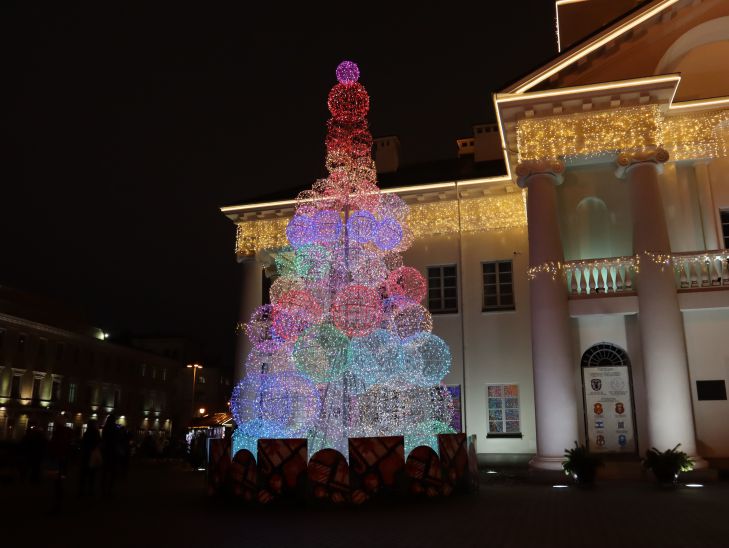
(436,171)
(211,420)
(591,43)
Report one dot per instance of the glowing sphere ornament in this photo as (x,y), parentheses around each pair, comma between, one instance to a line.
(356,310)
(312,262)
(246,397)
(375,358)
(369,270)
(406,282)
(283,285)
(272,356)
(293,313)
(348,102)
(388,234)
(258,328)
(320,353)
(328,226)
(300,230)
(361,226)
(427,359)
(410,319)
(290,400)
(347,72)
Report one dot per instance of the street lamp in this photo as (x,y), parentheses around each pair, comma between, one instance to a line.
(194,367)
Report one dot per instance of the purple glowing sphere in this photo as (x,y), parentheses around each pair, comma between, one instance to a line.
(347,72)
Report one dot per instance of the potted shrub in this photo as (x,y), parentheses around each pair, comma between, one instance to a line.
(668,464)
(581,464)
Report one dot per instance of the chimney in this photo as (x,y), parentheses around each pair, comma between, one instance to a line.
(387,154)
(487,143)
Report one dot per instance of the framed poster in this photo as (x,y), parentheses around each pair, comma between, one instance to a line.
(608,397)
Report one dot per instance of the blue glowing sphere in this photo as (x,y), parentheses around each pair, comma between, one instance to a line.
(375,358)
(427,359)
(388,233)
(300,230)
(290,400)
(361,226)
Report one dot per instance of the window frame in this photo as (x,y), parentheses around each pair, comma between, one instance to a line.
(503,398)
(498,285)
(442,287)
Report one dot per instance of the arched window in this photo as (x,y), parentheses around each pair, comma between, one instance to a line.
(603,354)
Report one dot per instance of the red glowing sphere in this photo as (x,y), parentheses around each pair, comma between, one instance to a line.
(356,310)
(348,102)
(406,282)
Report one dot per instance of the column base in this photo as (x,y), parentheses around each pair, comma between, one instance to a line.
(539,462)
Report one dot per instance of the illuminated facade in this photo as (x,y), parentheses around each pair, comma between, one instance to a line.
(54,367)
(602,318)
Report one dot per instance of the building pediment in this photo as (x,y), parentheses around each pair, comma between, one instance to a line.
(665,36)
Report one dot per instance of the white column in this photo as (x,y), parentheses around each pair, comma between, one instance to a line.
(251,297)
(665,363)
(706,204)
(555,393)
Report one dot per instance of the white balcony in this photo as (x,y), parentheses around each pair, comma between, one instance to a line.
(598,277)
(614,276)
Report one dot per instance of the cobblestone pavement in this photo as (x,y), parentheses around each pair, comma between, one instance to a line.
(164,505)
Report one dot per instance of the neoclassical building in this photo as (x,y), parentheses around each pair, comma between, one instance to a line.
(576,251)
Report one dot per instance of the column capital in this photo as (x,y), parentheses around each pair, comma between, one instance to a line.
(548,166)
(651,155)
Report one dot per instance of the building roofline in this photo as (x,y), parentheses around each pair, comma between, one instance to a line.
(232,210)
(621,26)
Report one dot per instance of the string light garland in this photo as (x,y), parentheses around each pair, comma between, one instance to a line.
(712,267)
(692,135)
(344,349)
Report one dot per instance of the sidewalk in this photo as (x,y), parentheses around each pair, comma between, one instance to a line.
(165,505)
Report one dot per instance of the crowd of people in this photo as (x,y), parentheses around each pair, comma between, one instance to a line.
(98,460)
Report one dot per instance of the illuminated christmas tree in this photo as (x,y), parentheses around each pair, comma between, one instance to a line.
(345,348)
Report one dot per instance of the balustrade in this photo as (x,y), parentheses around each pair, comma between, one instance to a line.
(600,276)
(701,270)
(619,275)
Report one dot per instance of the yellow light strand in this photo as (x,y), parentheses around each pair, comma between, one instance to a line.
(691,135)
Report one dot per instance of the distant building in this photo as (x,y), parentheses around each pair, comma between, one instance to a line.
(55,366)
(213,384)
(581,280)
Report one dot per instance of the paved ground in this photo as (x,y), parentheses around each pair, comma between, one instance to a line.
(164,505)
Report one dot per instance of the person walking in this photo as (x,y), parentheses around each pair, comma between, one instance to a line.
(90,458)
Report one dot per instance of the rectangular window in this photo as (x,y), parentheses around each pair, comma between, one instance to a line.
(144,369)
(72,392)
(56,393)
(36,388)
(59,352)
(710,390)
(498,287)
(15,387)
(724,214)
(21,344)
(164,374)
(503,411)
(117,398)
(442,289)
(154,372)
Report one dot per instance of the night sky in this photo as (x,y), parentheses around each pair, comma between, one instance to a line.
(129,126)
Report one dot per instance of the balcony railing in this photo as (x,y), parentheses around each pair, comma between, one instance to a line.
(600,276)
(701,270)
